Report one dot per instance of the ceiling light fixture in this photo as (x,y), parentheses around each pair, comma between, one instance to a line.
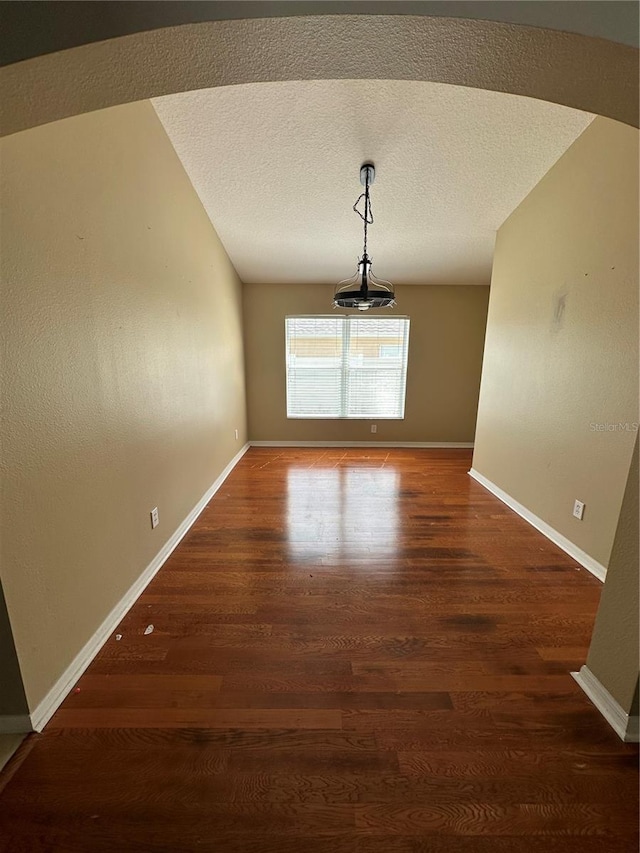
(372,292)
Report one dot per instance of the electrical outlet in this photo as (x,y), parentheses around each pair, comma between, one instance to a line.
(155,519)
(374,428)
(578,510)
(236,432)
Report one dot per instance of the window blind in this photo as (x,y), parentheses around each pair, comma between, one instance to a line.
(346,367)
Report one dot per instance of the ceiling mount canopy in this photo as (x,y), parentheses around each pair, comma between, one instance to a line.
(364,290)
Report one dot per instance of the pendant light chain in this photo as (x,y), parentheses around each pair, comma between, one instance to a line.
(367,217)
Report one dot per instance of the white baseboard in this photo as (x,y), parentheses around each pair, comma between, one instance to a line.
(54,698)
(361,443)
(15,724)
(624,726)
(558,539)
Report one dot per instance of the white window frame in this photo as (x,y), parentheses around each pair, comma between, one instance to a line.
(346,369)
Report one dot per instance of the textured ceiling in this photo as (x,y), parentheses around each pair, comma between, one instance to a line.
(276,166)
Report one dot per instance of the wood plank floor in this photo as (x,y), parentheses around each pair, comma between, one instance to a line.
(354,651)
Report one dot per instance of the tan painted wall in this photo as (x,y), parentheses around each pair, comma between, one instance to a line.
(613,654)
(122,320)
(443,375)
(8,746)
(561,351)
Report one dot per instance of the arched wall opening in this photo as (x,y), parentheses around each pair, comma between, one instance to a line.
(578,71)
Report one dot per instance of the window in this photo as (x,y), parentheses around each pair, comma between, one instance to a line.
(346,367)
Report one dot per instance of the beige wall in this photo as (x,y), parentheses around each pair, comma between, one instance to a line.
(445,356)
(613,654)
(561,350)
(122,321)
(8,746)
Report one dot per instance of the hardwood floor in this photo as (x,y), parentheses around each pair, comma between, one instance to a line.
(354,651)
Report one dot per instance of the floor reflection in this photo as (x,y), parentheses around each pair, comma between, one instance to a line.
(344,511)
